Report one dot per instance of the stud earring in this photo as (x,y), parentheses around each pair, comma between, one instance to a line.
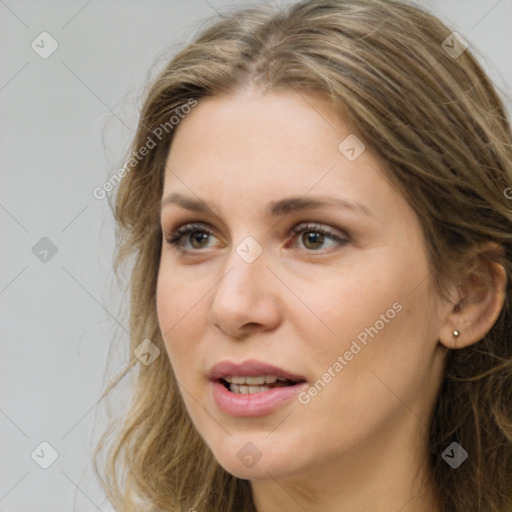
(456,334)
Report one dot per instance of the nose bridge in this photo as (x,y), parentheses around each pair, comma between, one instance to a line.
(245,267)
(243,295)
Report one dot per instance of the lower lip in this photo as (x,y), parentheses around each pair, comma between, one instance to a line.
(254,404)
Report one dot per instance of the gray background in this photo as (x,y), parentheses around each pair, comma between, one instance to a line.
(64,124)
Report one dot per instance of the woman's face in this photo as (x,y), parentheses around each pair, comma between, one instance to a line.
(302,263)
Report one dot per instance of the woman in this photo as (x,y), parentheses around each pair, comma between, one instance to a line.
(323,243)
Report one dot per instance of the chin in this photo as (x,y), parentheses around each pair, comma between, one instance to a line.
(261,470)
(254,460)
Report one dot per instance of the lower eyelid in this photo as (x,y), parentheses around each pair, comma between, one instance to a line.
(337,242)
(335,235)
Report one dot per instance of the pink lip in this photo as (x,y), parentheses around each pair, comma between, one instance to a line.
(255,404)
(250,368)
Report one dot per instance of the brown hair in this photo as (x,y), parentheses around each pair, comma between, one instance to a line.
(438,123)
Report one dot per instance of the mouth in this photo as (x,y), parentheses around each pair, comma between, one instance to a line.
(259,384)
(241,377)
(252,388)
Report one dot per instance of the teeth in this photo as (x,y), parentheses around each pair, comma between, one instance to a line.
(247,390)
(253,381)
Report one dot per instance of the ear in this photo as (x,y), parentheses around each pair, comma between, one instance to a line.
(480,298)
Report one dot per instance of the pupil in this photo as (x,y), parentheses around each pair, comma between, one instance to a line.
(313,238)
(198,237)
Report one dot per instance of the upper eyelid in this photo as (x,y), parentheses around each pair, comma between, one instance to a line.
(187,227)
(311,225)
(298,225)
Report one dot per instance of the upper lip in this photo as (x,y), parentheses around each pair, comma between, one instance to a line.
(250,368)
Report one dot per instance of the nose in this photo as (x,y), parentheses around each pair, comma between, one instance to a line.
(246,298)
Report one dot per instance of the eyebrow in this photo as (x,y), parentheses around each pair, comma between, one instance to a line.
(275,208)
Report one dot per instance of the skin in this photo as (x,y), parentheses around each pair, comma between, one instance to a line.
(360,444)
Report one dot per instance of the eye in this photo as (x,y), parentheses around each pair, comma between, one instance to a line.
(314,236)
(195,236)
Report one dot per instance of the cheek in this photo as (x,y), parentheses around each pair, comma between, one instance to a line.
(380,317)
(178,308)
(178,296)
(386,361)
(166,304)
(351,303)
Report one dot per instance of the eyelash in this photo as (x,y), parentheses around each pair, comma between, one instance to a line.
(173,237)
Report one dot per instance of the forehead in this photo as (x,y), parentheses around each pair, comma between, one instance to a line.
(263,146)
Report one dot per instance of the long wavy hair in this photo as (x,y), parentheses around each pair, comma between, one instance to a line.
(437,121)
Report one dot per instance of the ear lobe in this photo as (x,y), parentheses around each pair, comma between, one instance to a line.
(482,298)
